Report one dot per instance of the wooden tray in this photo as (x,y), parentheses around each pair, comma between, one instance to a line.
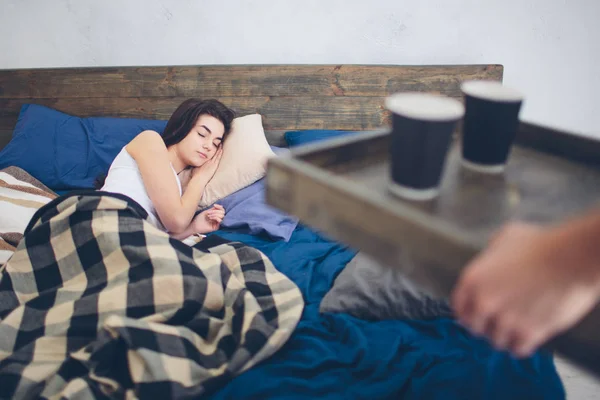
(340,187)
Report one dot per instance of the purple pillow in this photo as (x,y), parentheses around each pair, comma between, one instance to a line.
(247,210)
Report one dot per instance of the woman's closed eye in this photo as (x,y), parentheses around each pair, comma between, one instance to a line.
(216,144)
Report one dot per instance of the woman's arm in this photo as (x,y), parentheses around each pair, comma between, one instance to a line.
(175,211)
(187,232)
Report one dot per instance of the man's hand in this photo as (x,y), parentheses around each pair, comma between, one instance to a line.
(526,287)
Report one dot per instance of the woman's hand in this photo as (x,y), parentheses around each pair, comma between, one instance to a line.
(526,287)
(208,169)
(209,220)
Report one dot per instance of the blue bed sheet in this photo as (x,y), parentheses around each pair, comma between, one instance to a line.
(336,356)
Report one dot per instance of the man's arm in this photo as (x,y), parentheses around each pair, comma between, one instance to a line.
(577,244)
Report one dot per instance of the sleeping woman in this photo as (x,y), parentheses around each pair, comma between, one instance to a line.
(132,294)
(147,168)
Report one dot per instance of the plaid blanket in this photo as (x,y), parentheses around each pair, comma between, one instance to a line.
(21,195)
(96,302)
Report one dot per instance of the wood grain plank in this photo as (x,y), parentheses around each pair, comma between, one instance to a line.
(288,96)
(239,80)
(386,80)
(5,136)
(7,121)
(279,113)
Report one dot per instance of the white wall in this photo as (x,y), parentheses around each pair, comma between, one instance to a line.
(550,48)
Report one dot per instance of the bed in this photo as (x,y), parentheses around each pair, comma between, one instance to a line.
(328,355)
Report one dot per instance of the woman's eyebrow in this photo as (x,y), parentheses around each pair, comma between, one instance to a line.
(206,127)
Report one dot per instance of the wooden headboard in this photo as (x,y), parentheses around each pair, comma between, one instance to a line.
(289,97)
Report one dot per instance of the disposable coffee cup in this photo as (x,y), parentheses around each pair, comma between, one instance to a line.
(490,125)
(422,127)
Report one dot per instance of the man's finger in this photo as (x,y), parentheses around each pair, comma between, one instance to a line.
(502,333)
(462,300)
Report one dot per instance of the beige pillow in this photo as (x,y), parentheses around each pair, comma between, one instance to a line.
(244,161)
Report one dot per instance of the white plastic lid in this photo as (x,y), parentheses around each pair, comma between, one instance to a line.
(491,90)
(425,106)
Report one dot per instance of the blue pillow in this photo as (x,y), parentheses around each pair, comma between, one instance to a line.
(66,152)
(297,138)
(246,211)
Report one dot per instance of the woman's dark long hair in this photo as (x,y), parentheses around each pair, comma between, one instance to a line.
(183,120)
(186,115)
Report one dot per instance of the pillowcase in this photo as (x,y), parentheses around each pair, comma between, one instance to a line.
(246,211)
(66,152)
(244,161)
(297,138)
(370,291)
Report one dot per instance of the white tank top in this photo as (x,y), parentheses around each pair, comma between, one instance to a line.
(124,177)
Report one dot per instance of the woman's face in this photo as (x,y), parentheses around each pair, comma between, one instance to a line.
(202,142)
